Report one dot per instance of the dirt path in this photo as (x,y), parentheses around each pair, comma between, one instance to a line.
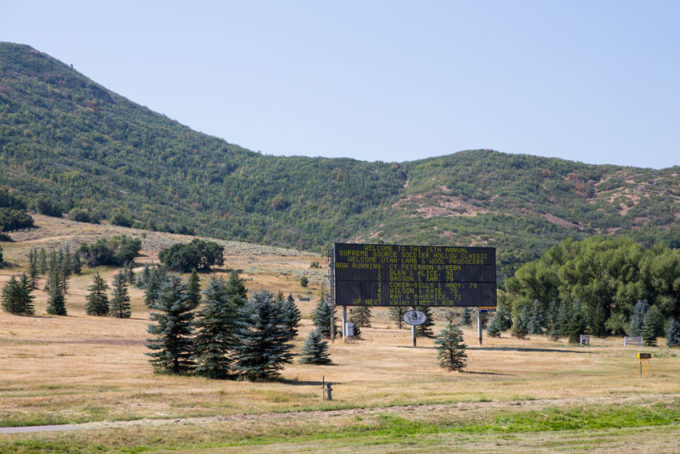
(318,415)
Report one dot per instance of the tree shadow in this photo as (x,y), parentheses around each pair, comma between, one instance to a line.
(472,372)
(528,349)
(294,382)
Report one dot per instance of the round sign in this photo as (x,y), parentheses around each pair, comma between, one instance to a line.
(415,317)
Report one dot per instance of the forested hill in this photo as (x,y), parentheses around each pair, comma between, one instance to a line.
(68,144)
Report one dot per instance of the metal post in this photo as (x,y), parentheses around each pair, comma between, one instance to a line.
(332,323)
(344,323)
(413,334)
(479,326)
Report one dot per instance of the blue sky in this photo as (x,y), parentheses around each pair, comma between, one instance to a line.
(593,81)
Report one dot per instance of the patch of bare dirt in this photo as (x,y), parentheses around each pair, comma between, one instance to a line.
(559,221)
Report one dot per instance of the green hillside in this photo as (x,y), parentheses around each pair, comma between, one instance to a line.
(69,143)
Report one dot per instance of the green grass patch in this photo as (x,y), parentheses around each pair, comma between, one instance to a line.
(385,429)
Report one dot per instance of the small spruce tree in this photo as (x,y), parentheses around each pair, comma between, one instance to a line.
(236,288)
(535,322)
(466,317)
(16,296)
(56,305)
(426,328)
(33,268)
(261,347)
(315,350)
(120,300)
(292,316)
(322,318)
(76,264)
(519,324)
(42,261)
(451,348)
(172,317)
(494,329)
(194,288)
(504,318)
(97,301)
(215,325)
(637,319)
(652,326)
(577,324)
(396,314)
(673,334)
(361,315)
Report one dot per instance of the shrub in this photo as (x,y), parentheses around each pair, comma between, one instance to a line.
(117,251)
(197,254)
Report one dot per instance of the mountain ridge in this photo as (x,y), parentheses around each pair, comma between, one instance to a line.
(67,139)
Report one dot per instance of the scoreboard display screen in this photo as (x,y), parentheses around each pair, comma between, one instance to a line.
(394,275)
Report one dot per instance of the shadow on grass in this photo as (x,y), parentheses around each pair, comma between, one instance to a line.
(527,349)
(308,382)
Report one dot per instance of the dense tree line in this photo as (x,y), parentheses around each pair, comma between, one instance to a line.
(598,285)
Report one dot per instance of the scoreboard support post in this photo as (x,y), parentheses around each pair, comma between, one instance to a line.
(344,323)
(479,326)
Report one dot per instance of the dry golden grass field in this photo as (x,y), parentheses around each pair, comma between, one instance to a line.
(515,395)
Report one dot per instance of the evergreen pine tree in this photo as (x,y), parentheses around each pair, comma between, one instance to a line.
(519,324)
(97,301)
(426,328)
(451,348)
(171,348)
(292,316)
(120,300)
(535,322)
(315,350)
(143,278)
(637,319)
(396,314)
(76,264)
(16,296)
(652,326)
(129,274)
(42,261)
(466,317)
(577,324)
(153,288)
(215,324)
(261,347)
(553,321)
(494,329)
(236,289)
(361,315)
(322,318)
(673,334)
(67,265)
(56,305)
(25,282)
(33,268)
(504,318)
(357,328)
(194,288)
(563,318)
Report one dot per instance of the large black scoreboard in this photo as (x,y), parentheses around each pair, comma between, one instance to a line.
(393,275)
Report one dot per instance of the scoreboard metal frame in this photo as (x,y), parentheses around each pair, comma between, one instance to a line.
(402,275)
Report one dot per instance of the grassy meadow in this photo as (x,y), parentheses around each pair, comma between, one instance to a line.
(515,395)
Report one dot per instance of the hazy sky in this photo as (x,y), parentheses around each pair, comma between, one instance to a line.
(594,81)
